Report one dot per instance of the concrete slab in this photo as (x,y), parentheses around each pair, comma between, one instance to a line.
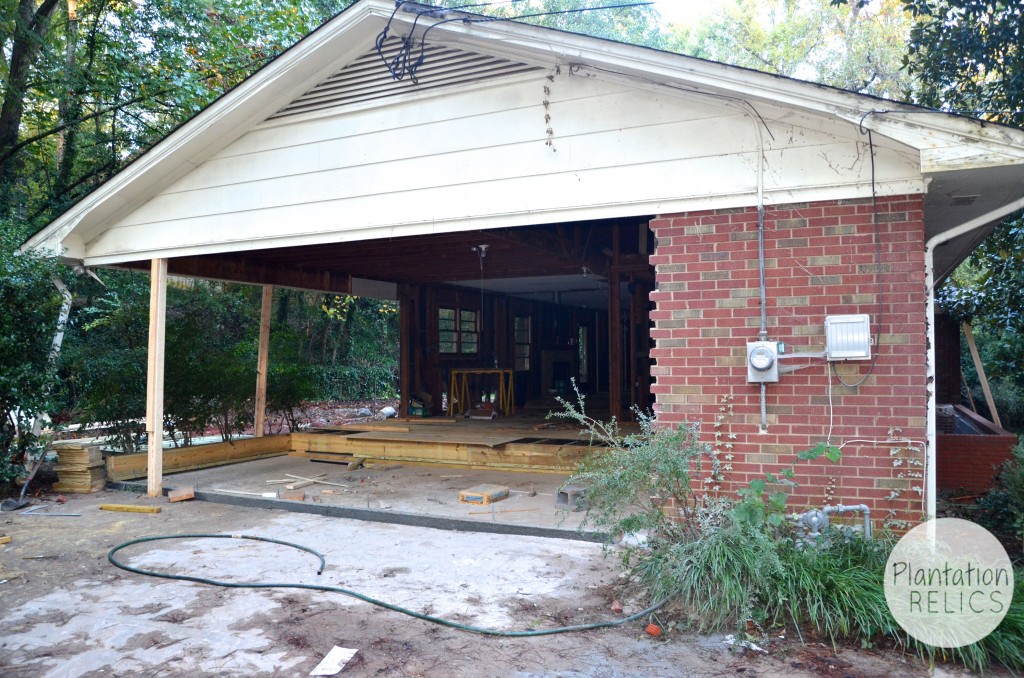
(396,489)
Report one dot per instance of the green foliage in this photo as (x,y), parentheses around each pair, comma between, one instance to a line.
(29,305)
(733,563)
(752,510)
(133,72)
(968,56)
(724,577)
(861,49)
(634,25)
(290,379)
(637,483)
(103,361)
(211,358)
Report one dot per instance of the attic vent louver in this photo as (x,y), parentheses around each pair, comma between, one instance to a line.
(368,79)
(962,200)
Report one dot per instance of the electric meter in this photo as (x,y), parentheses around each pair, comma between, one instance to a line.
(762,362)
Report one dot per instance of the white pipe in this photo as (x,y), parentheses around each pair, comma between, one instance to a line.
(929,281)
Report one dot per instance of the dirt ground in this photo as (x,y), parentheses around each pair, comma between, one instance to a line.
(66,611)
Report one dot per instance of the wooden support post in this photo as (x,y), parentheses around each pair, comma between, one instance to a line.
(406,337)
(615,328)
(969,334)
(614,347)
(263,361)
(155,378)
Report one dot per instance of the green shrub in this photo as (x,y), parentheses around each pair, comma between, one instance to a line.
(29,305)
(733,562)
(637,484)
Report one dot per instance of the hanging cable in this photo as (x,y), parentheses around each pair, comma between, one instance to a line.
(346,592)
(400,65)
(878,264)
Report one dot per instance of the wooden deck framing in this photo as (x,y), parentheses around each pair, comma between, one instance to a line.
(466,443)
(505,445)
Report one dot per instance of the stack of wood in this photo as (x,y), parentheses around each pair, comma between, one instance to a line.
(80,468)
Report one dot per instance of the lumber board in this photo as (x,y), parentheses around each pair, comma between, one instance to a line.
(181,494)
(129,466)
(130,508)
(561,469)
(362,428)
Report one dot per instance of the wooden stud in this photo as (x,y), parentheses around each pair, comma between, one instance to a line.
(5,540)
(614,347)
(262,361)
(130,508)
(155,377)
(406,310)
(969,334)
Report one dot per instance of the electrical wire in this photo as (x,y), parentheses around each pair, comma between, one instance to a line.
(347,592)
(878,265)
(400,65)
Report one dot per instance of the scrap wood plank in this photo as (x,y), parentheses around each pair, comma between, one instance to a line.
(130,508)
(5,539)
(181,494)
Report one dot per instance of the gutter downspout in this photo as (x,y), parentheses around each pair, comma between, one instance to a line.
(929,281)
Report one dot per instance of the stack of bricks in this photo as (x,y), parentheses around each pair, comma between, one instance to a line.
(821,260)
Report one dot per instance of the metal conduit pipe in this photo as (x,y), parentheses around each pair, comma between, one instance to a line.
(856,508)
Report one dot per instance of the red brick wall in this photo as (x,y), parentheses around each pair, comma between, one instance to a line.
(970,462)
(821,260)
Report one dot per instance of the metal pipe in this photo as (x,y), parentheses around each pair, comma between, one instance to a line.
(929,272)
(858,508)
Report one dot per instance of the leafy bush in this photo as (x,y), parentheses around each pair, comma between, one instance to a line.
(637,484)
(348,382)
(732,563)
(29,305)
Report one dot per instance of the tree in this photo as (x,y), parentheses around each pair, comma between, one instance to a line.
(968,57)
(28,313)
(861,49)
(82,98)
(634,25)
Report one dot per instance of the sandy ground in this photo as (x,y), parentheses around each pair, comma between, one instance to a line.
(67,612)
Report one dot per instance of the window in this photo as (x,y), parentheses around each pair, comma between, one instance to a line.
(457,331)
(469,336)
(522,332)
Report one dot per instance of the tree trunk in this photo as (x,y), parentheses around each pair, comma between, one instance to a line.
(29,31)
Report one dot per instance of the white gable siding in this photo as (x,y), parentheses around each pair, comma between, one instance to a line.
(478,158)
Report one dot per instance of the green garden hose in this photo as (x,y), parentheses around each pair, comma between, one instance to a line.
(347,592)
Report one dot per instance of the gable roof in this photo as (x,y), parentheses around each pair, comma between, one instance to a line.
(972,167)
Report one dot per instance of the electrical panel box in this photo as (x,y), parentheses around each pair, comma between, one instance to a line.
(762,362)
(848,337)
